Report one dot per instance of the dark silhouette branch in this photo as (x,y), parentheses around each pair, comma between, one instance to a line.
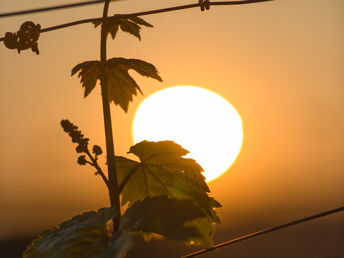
(170,9)
(262,232)
(52,8)
(94,164)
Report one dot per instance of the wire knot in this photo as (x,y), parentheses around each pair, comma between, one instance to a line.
(204,4)
(25,38)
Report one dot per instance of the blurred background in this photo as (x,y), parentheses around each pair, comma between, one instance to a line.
(279,63)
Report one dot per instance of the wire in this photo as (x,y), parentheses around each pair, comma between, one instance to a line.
(239,239)
(170,9)
(52,8)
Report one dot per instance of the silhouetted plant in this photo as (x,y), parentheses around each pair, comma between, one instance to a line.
(164,193)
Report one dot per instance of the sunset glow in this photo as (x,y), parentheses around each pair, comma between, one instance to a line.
(199,120)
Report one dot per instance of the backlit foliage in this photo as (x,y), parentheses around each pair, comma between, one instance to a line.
(120,86)
(163,194)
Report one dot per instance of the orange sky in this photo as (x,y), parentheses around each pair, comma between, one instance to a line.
(280,64)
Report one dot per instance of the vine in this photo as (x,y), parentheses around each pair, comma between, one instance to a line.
(164,192)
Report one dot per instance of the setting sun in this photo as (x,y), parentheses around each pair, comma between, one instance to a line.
(200,120)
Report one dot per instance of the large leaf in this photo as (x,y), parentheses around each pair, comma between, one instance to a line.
(120,85)
(85,235)
(89,73)
(130,25)
(163,171)
(171,218)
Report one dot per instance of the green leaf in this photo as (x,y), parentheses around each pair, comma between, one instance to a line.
(161,215)
(86,235)
(120,85)
(89,72)
(205,228)
(130,25)
(163,171)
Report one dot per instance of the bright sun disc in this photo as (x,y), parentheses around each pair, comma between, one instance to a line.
(200,120)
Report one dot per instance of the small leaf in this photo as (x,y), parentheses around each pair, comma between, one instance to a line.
(140,21)
(110,26)
(85,235)
(120,85)
(161,215)
(113,29)
(130,25)
(89,72)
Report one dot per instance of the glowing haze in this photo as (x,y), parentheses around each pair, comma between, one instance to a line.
(279,63)
(200,120)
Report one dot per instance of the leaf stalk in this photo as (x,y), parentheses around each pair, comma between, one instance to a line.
(94,164)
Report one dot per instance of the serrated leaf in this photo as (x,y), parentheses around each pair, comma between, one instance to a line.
(163,171)
(130,25)
(113,29)
(121,87)
(89,72)
(170,218)
(140,21)
(84,236)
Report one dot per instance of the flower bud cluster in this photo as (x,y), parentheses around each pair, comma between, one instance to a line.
(97,150)
(82,160)
(76,135)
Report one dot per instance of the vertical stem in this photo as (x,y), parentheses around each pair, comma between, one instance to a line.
(112,175)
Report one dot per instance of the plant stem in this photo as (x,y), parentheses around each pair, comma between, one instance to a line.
(112,175)
(94,164)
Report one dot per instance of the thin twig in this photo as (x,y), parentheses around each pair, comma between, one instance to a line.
(262,232)
(94,163)
(51,8)
(170,9)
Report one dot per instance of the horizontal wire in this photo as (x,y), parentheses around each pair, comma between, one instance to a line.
(239,239)
(51,8)
(116,16)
